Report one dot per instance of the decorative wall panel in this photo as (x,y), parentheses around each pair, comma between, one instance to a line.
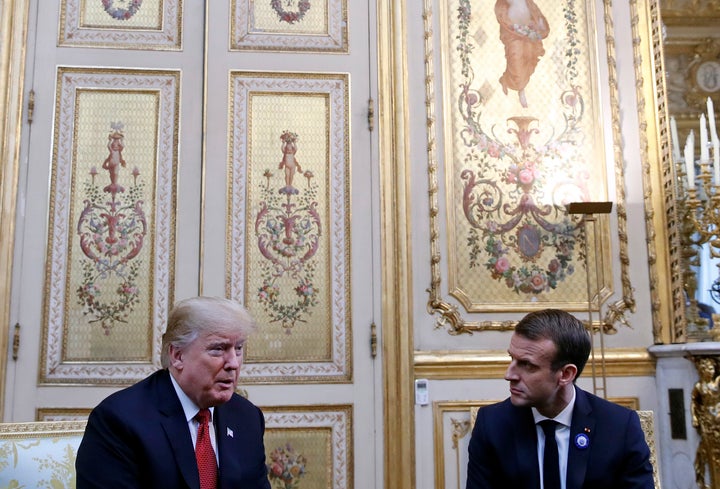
(453,425)
(520,106)
(110,262)
(309,446)
(288,235)
(290,25)
(126,24)
(62,414)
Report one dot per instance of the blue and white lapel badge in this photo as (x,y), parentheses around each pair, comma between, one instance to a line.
(230,433)
(582,441)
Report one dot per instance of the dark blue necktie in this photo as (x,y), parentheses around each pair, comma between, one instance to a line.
(551,461)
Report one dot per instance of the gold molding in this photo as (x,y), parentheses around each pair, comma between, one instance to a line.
(690,13)
(439,409)
(663,241)
(62,414)
(491,364)
(397,318)
(616,311)
(13,20)
(41,429)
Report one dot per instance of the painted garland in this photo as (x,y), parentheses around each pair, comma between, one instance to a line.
(288,16)
(120,13)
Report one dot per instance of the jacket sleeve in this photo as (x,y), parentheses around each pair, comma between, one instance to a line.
(105,458)
(637,471)
(262,474)
(481,458)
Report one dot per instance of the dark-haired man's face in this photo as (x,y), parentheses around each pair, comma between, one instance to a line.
(533,383)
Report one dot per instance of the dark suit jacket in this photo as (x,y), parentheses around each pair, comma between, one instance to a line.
(139,438)
(503,448)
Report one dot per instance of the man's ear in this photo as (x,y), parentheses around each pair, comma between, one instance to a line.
(175,355)
(568,373)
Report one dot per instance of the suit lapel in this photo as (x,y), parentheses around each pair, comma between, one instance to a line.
(176,429)
(222,437)
(526,448)
(225,436)
(583,423)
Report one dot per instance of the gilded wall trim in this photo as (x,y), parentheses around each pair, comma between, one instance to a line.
(62,414)
(616,311)
(663,240)
(469,365)
(690,12)
(13,29)
(462,426)
(397,317)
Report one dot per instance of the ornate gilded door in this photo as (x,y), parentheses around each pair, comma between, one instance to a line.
(179,148)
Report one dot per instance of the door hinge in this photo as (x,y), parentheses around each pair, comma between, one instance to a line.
(31,106)
(16,341)
(373,340)
(371,114)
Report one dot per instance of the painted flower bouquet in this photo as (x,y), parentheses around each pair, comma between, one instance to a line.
(286,468)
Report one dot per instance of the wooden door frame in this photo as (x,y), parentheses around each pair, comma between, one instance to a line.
(13,26)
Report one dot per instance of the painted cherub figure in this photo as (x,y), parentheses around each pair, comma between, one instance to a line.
(289,163)
(115,159)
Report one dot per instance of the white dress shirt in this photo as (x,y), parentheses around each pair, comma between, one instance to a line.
(562,436)
(191,410)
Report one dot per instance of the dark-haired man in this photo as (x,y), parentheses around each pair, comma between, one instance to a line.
(591,443)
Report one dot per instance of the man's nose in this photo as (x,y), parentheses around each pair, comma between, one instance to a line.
(510,372)
(233,359)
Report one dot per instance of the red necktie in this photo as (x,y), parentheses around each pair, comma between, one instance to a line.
(204,453)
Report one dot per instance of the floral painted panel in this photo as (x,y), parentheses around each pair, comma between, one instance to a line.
(288,259)
(523,138)
(111,247)
(127,24)
(290,25)
(309,447)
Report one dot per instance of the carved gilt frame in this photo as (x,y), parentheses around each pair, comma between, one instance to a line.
(663,238)
(449,314)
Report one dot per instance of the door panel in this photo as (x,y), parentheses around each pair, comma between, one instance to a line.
(202,195)
(289,186)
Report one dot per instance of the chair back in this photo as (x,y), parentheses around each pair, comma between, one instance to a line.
(39,454)
(647,421)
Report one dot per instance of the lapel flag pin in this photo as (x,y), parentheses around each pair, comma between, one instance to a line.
(229,432)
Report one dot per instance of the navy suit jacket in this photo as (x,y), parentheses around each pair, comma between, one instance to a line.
(139,438)
(503,448)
